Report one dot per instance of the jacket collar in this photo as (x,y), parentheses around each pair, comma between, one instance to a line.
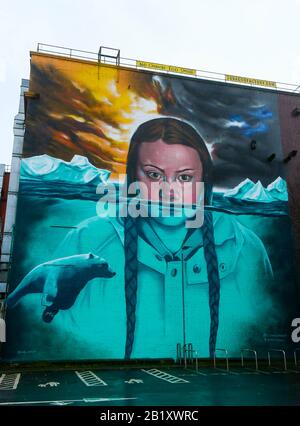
(225,227)
(229,239)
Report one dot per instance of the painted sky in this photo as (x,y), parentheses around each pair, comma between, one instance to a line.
(92,111)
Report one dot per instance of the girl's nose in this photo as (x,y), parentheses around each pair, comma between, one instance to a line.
(170,191)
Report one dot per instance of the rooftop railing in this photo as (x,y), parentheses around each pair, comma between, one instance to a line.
(111,56)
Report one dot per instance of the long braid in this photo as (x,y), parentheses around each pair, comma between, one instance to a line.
(131,266)
(213,279)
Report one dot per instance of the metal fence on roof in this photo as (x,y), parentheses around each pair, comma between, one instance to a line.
(111,56)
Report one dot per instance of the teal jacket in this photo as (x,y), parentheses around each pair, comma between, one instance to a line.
(94,327)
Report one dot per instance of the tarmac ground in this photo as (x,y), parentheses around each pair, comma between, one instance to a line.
(150,386)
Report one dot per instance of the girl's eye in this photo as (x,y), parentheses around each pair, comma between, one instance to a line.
(154,175)
(185,178)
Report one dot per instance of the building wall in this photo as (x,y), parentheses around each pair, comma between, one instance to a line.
(11,180)
(2,171)
(4,179)
(3,200)
(92,277)
(4,183)
(290,137)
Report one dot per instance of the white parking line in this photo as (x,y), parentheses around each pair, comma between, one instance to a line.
(165,376)
(9,381)
(263,372)
(224,371)
(201,373)
(66,401)
(244,370)
(218,374)
(90,379)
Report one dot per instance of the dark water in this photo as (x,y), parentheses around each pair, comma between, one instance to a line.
(236,206)
(40,189)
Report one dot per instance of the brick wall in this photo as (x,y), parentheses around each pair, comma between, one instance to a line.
(290,136)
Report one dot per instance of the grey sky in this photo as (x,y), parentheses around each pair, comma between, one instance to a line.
(257,38)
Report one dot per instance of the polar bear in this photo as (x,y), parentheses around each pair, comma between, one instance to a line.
(60,281)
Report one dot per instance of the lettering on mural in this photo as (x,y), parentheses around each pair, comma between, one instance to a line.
(162,67)
(247,80)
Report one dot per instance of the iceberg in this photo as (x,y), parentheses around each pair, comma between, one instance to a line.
(250,191)
(278,189)
(241,189)
(258,193)
(78,171)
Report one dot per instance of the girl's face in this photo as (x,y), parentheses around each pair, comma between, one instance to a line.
(174,169)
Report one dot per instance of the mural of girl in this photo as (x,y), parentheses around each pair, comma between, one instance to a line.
(165,284)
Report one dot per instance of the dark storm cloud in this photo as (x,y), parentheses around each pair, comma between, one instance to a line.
(229,118)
